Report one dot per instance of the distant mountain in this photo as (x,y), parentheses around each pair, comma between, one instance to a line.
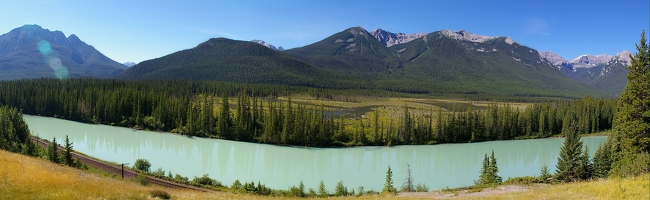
(129,64)
(262,42)
(605,72)
(390,39)
(467,63)
(221,59)
(353,51)
(33,52)
(449,63)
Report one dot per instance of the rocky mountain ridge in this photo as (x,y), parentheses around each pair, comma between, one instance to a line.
(389,39)
(31,51)
(587,60)
(605,72)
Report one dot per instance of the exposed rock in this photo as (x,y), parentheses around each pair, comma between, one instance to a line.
(390,39)
(262,42)
(467,36)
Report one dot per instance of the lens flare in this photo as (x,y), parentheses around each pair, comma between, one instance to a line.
(52,59)
(44,47)
(55,63)
(61,73)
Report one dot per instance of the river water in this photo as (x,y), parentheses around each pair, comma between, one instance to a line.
(279,167)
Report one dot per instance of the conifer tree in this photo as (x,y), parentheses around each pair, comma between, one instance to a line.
(544,174)
(67,154)
(494,169)
(224,121)
(489,171)
(602,161)
(631,136)
(52,154)
(388,186)
(569,164)
(484,174)
(341,190)
(586,165)
(322,191)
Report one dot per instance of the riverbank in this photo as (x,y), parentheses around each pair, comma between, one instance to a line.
(25,177)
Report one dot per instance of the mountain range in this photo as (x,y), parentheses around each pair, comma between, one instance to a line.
(604,72)
(442,62)
(33,52)
(438,63)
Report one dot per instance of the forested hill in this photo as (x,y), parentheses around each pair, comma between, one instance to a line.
(221,59)
(442,63)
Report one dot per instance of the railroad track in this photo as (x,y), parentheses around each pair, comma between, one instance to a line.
(117,170)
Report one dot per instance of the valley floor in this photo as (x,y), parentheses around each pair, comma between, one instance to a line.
(23,177)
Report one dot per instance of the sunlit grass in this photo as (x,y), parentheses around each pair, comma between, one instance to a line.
(613,188)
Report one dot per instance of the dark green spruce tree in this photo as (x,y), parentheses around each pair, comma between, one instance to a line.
(602,161)
(52,154)
(631,136)
(67,154)
(489,171)
(570,164)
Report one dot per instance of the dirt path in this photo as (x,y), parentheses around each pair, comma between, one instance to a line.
(117,170)
(446,195)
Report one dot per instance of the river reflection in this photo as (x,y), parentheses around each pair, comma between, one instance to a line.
(438,166)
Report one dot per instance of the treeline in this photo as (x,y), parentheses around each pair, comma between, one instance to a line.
(255,115)
(502,122)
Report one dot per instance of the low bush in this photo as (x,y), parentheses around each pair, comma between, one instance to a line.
(160,194)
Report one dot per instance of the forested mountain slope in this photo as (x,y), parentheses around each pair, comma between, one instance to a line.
(443,63)
(221,59)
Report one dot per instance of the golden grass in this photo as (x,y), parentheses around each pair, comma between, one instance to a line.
(613,188)
(23,177)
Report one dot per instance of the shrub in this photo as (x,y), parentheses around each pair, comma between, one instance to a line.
(142,179)
(142,165)
(421,188)
(525,180)
(205,180)
(160,194)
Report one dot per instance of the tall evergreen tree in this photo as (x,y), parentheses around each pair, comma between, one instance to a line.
(52,154)
(224,121)
(569,164)
(602,161)
(494,169)
(631,136)
(388,186)
(67,154)
(489,171)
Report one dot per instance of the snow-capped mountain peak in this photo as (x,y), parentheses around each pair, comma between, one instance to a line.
(266,44)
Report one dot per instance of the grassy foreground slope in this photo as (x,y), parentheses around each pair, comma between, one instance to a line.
(612,188)
(23,177)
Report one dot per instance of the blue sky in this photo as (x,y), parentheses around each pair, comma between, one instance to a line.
(141,30)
